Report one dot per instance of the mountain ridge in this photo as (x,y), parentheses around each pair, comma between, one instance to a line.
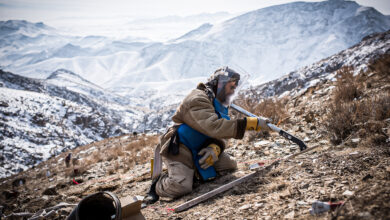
(99,114)
(269,42)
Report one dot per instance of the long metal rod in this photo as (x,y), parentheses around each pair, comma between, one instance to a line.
(214,192)
(285,134)
(236,182)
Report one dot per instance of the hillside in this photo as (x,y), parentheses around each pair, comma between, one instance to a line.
(346,118)
(42,118)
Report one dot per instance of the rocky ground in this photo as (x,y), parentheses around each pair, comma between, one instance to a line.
(353,167)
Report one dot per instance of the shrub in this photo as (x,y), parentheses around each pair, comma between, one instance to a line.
(273,109)
(341,120)
(347,86)
(381,66)
(352,113)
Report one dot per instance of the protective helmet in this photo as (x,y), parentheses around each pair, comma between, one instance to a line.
(220,78)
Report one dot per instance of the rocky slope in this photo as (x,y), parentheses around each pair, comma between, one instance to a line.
(355,170)
(42,118)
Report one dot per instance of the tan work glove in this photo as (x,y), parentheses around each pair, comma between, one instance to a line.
(210,156)
(257,123)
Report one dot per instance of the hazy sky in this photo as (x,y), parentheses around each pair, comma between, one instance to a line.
(121,18)
(45,10)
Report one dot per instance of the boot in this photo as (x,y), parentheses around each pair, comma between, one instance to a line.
(151,196)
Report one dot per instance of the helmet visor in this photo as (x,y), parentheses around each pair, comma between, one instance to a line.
(230,82)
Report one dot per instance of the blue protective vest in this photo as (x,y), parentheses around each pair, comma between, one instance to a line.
(194,140)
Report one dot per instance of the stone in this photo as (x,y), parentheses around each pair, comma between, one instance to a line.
(50,191)
(65,211)
(244,207)
(324,142)
(347,193)
(305,186)
(258,205)
(365,215)
(355,140)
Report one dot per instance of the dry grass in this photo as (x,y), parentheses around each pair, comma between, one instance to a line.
(363,116)
(131,151)
(274,109)
(141,150)
(381,66)
(348,87)
(122,152)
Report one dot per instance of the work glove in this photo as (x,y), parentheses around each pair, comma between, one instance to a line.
(210,156)
(257,123)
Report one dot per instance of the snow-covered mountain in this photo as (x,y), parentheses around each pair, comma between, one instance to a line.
(42,117)
(267,43)
(297,82)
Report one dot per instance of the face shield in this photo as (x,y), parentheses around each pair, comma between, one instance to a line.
(229,83)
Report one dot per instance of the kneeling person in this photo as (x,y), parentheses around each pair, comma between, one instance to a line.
(194,143)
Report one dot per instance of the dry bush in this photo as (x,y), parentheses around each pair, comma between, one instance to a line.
(140,150)
(381,106)
(381,66)
(348,87)
(75,171)
(349,114)
(113,153)
(89,161)
(342,121)
(137,151)
(273,109)
(92,159)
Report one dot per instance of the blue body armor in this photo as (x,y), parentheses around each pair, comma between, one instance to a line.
(194,140)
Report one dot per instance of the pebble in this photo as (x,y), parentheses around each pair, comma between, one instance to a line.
(355,140)
(262,143)
(347,193)
(324,142)
(258,205)
(247,206)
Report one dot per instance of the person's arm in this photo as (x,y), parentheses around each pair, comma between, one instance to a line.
(202,117)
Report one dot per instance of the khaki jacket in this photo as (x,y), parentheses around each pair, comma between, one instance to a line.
(198,112)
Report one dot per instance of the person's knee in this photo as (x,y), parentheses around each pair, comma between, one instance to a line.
(225,163)
(177,182)
(171,187)
(233,164)
(230,165)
